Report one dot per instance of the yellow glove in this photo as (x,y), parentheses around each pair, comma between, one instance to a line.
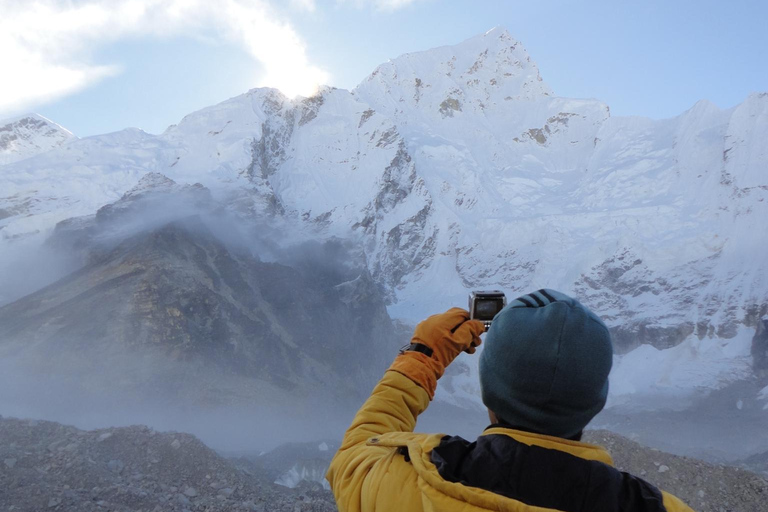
(443,337)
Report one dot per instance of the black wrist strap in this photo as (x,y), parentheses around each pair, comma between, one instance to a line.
(417,347)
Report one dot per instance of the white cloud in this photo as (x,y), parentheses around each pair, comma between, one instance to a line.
(382,5)
(46,45)
(392,5)
(304,5)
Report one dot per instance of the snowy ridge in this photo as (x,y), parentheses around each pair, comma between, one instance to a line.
(29,135)
(477,75)
(458,168)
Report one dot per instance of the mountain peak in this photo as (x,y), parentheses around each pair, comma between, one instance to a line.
(29,135)
(31,118)
(499,34)
(482,72)
(498,31)
(152,181)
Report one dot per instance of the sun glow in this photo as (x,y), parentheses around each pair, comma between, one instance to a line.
(47,45)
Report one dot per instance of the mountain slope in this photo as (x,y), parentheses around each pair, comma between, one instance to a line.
(167,312)
(458,168)
(29,135)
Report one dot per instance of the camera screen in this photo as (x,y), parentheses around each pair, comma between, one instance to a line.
(487,309)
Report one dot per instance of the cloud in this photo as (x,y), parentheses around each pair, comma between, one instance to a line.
(381,5)
(303,5)
(47,45)
(391,5)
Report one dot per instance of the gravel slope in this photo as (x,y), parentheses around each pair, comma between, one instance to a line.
(704,487)
(46,466)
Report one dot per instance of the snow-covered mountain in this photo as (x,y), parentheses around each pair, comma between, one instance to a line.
(29,135)
(459,168)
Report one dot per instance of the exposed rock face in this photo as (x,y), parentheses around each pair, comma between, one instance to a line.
(170,292)
(760,347)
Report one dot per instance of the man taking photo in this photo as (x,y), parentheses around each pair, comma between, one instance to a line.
(543,375)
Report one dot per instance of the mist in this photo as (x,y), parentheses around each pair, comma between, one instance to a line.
(27,265)
(97,358)
(242,428)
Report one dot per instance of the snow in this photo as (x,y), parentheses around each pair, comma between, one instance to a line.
(458,168)
(294,476)
(28,135)
(647,376)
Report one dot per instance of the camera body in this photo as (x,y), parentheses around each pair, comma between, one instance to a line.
(484,305)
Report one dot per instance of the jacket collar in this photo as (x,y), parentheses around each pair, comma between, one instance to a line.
(583,450)
(446,495)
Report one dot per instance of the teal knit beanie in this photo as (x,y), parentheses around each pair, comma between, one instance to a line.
(545,363)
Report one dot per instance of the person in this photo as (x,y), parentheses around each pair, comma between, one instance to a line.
(543,377)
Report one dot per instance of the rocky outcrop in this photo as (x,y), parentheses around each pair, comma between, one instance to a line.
(642,306)
(174,292)
(760,348)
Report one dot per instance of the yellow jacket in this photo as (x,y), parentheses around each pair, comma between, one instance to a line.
(383,466)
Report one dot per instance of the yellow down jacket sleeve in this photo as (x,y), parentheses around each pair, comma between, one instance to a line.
(393,406)
(368,474)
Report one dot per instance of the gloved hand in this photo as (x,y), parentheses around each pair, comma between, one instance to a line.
(447,335)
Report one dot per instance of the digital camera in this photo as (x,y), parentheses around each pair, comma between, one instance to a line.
(484,305)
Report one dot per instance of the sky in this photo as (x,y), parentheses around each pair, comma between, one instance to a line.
(97,66)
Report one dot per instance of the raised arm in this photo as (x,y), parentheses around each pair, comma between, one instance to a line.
(402,394)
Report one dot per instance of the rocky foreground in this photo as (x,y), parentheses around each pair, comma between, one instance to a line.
(51,467)
(704,487)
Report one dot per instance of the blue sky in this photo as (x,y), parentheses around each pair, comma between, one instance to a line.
(106,65)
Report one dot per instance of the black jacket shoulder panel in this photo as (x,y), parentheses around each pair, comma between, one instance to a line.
(542,477)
